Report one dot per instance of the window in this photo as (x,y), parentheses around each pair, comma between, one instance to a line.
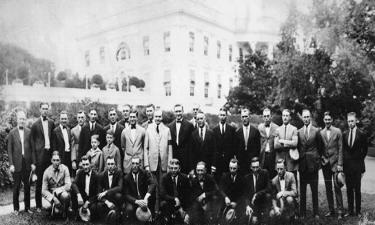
(240,53)
(146,45)
(123,52)
(205,45)
(87,58)
(192,83)
(102,54)
(167,41)
(219,91)
(206,84)
(218,49)
(167,83)
(230,53)
(191,41)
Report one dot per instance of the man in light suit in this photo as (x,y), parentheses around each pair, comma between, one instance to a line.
(248,142)
(310,152)
(75,133)
(150,110)
(267,130)
(332,162)
(286,139)
(181,130)
(116,128)
(41,143)
(21,160)
(355,151)
(225,136)
(61,137)
(132,142)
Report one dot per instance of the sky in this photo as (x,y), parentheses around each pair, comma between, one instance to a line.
(48,28)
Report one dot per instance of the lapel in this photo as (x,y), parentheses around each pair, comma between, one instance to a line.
(106,180)
(59,132)
(59,175)
(180,134)
(356,137)
(278,186)
(137,133)
(41,125)
(17,133)
(325,138)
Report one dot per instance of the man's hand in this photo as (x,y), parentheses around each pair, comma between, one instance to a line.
(249,211)
(227,201)
(253,199)
(33,167)
(147,168)
(56,201)
(191,174)
(339,168)
(177,201)
(201,197)
(109,204)
(74,165)
(281,141)
(280,194)
(101,195)
(86,205)
(79,198)
(277,211)
(213,169)
(11,169)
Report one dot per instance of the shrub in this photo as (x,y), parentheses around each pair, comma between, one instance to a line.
(62,76)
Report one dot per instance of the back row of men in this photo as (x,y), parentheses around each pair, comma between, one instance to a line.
(191,142)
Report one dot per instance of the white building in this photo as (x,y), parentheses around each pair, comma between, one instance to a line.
(186,51)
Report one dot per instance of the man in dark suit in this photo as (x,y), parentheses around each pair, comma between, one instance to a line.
(225,136)
(248,142)
(150,110)
(355,151)
(41,143)
(175,191)
(203,144)
(310,151)
(89,129)
(232,188)
(117,128)
(139,189)
(257,192)
(21,160)
(181,130)
(332,162)
(205,196)
(61,137)
(268,131)
(85,188)
(125,110)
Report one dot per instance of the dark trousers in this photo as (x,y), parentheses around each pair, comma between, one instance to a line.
(68,162)
(269,164)
(40,168)
(158,174)
(311,178)
(353,187)
(328,180)
(22,176)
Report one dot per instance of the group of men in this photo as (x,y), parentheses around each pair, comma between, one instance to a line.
(185,170)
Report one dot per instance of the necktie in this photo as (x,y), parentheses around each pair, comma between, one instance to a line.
(201,133)
(233,178)
(306,132)
(157,128)
(136,182)
(175,193)
(285,133)
(351,137)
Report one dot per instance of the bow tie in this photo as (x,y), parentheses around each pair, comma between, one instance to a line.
(64,127)
(113,123)
(56,170)
(132,126)
(150,121)
(45,118)
(282,178)
(246,125)
(178,121)
(87,173)
(267,125)
(20,128)
(110,174)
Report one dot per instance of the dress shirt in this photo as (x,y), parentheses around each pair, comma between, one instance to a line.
(47,144)
(255,182)
(66,138)
(268,129)
(202,132)
(306,130)
(328,133)
(110,178)
(92,125)
(282,184)
(246,132)
(113,127)
(21,131)
(222,128)
(353,136)
(135,177)
(178,126)
(87,182)
(132,134)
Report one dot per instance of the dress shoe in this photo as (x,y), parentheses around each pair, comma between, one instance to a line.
(349,214)
(16,212)
(329,214)
(28,211)
(38,210)
(359,214)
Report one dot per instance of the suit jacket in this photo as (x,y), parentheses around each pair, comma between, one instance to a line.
(183,189)
(53,181)
(146,123)
(282,151)
(132,148)
(113,151)
(75,133)
(85,138)
(262,185)
(157,145)
(15,150)
(310,150)
(354,157)
(146,184)
(204,150)
(117,182)
(59,144)
(332,147)
(182,150)
(210,188)
(225,146)
(233,190)
(117,136)
(37,138)
(253,147)
(267,139)
(290,185)
(79,185)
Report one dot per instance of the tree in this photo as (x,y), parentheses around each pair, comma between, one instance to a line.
(97,79)
(135,81)
(62,75)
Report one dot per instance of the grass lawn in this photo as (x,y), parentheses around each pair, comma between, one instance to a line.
(368,209)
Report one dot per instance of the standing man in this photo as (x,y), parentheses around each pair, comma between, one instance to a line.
(76,132)
(116,128)
(193,121)
(41,141)
(60,140)
(181,130)
(225,136)
(248,142)
(132,142)
(91,128)
(355,151)
(310,151)
(150,109)
(332,162)
(203,144)
(267,130)
(21,160)
(286,139)
(125,115)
